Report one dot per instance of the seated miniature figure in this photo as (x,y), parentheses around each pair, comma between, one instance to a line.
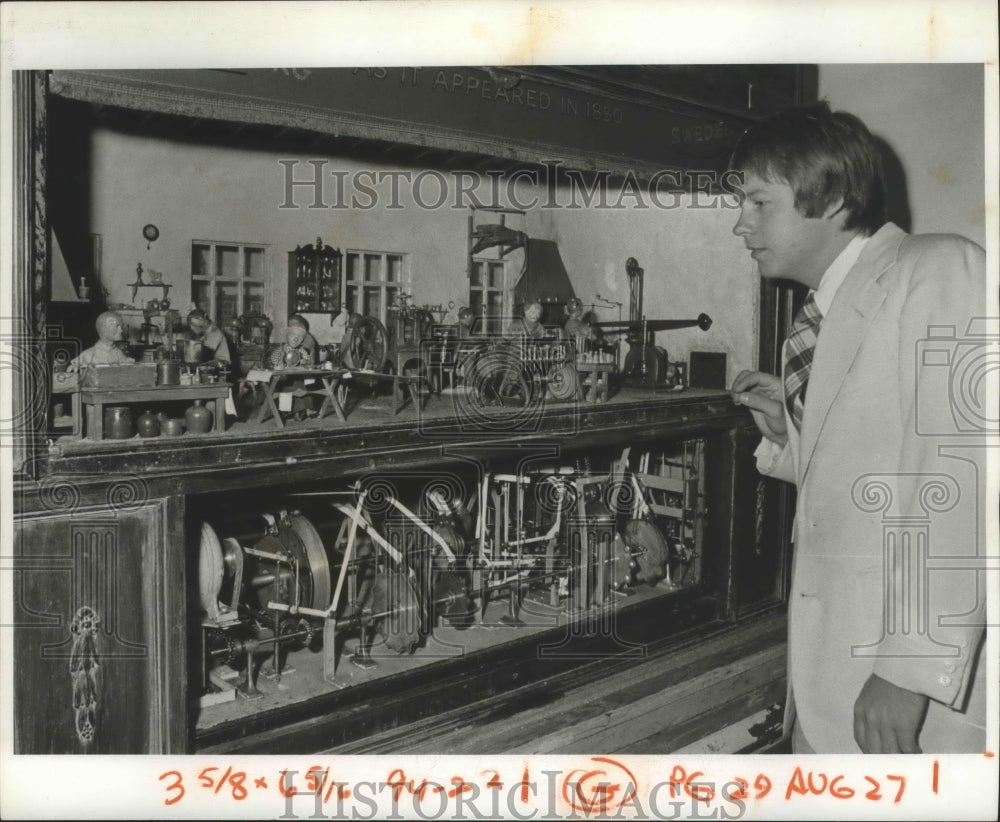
(309,344)
(466,325)
(110,330)
(576,326)
(292,352)
(214,343)
(530,326)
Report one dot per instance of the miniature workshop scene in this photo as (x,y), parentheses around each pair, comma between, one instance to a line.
(375,416)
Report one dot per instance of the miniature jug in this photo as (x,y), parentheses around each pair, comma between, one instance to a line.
(198,419)
(148,425)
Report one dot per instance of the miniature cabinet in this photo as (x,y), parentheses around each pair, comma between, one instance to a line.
(314,278)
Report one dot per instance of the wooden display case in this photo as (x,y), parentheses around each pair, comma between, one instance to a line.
(108,639)
(121,528)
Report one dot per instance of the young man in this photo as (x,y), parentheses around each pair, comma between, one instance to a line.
(879,658)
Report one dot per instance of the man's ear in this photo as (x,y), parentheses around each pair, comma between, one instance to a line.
(836,211)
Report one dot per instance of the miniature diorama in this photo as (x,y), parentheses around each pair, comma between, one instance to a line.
(549,352)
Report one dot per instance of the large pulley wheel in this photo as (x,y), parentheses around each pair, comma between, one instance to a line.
(563,382)
(365,344)
(298,542)
(648,362)
(649,548)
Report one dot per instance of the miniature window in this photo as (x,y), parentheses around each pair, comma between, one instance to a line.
(228,280)
(487,293)
(373,280)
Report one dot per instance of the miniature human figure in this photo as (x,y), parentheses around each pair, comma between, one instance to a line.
(292,353)
(212,339)
(530,326)
(309,344)
(465,327)
(110,330)
(872,665)
(577,328)
(576,324)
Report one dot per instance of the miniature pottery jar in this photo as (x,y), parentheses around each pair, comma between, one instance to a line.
(198,418)
(168,372)
(172,427)
(148,425)
(117,422)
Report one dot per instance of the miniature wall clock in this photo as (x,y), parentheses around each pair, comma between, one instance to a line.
(151,233)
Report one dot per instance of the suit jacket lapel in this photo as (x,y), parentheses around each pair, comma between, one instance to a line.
(854,307)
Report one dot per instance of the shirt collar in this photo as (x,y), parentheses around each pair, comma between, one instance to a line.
(835,275)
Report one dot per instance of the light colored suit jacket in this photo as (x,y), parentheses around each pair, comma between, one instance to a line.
(890,472)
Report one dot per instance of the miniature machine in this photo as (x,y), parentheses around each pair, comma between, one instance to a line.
(646,364)
(368,573)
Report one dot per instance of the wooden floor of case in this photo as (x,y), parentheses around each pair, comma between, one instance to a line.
(674,696)
(305,679)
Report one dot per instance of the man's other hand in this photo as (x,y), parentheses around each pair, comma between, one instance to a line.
(887,718)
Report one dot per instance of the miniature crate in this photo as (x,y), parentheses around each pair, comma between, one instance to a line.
(138,375)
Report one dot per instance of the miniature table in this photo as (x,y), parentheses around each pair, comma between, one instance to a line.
(96,398)
(594,379)
(405,388)
(271,380)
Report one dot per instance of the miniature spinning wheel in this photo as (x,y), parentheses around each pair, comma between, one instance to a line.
(365,344)
(498,379)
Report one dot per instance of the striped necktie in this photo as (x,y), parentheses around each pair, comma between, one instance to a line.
(799,349)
